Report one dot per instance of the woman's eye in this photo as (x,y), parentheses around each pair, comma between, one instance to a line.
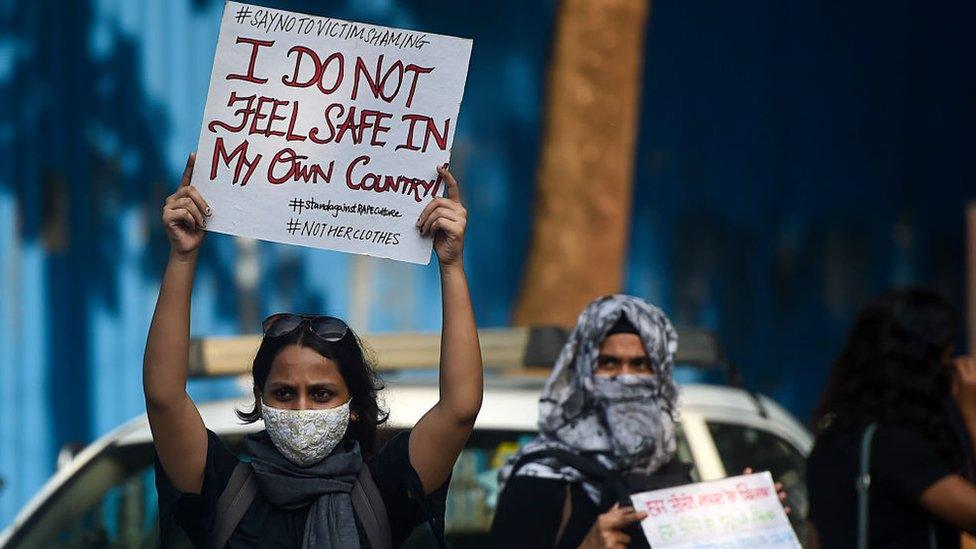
(282,394)
(321,394)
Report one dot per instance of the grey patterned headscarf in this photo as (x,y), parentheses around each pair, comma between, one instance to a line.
(626,422)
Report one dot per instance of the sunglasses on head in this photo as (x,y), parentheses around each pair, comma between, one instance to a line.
(328,328)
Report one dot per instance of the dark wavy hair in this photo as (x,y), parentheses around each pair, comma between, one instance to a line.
(355,366)
(893,368)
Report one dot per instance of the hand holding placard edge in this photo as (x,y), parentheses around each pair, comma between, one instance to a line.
(446,219)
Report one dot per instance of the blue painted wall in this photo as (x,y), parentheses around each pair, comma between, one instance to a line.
(794,159)
(103,102)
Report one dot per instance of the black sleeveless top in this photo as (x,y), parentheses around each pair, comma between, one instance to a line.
(267,526)
(903,465)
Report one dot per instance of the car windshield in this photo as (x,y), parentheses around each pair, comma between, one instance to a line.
(111,502)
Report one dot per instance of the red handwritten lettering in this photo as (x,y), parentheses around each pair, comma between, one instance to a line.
(296,170)
(240,152)
(655,507)
(680,501)
(318,72)
(430,130)
(255,45)
(419,188)
(379,81)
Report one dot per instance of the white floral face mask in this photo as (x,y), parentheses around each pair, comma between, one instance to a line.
(306,437)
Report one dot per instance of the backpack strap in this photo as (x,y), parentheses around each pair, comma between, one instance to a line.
(863,487)
(233,503)
(368,504)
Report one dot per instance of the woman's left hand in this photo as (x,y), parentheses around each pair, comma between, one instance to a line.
(779,491)
(446,219)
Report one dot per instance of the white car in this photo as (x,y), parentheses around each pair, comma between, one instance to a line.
(105,495)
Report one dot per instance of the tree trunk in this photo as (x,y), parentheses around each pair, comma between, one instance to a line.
(583,201)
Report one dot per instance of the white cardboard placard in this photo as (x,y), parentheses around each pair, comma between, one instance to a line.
(327,133)
(732,513)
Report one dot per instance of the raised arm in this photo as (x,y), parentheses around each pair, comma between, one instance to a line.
(439,436)
(953,498)
(178,432)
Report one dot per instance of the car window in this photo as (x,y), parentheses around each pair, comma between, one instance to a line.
(741,446)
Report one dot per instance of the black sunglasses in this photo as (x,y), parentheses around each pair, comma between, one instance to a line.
(328,328)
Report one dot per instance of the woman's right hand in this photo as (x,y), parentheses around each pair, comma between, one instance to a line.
(185,215)
(607,532)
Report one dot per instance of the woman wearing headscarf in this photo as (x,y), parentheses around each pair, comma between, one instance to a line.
(606,430)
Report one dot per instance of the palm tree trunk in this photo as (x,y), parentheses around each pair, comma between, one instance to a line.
(583,198)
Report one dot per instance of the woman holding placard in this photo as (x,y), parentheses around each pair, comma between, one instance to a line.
(314,479)
(607,429)
(608,408)
(892,463)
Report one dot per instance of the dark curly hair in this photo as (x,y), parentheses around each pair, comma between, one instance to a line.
(893,368)
(355,366)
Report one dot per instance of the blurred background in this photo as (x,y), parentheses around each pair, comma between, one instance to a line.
(783,163)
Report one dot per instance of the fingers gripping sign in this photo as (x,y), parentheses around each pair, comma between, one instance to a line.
(185,214)
(781,492)
(446,220)
(608,530)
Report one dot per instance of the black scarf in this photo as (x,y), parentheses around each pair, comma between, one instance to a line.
(325,486)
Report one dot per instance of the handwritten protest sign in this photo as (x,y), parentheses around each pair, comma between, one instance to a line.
(327,133)
(737,512)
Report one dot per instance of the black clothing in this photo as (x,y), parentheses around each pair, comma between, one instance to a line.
(265,525)
(903,465)
(530,510)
